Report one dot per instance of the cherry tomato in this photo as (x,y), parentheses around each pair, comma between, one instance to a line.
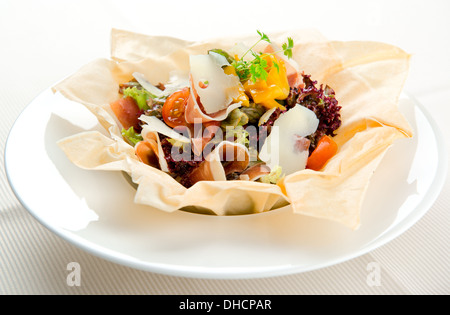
(174,108)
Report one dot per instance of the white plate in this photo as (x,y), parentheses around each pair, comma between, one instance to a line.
(95,211)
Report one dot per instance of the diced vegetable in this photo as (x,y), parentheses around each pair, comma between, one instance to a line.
(325,150)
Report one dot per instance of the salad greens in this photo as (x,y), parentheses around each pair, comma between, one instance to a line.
(131,136)
(139,95)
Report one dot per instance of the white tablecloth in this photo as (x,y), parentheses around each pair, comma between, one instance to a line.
(43,41)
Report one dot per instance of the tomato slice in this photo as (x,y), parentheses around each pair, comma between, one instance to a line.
(174,108)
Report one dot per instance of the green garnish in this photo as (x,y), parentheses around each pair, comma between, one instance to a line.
(263,36)
(139,95)
(287,48)
(257,68)
(131,136)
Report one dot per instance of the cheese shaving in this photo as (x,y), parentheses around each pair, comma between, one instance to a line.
(215,88)
(154,124)
(286,145)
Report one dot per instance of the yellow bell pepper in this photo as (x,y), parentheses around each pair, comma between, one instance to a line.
(243,98)
(276,87)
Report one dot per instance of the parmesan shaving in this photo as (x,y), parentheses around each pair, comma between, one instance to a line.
(154,124)
(286,145)
(147,85)
(215,88)
(266,116)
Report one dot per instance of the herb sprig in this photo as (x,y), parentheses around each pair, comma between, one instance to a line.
(257,67)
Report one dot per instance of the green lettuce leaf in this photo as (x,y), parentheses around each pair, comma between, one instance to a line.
(131,136)
(139,95)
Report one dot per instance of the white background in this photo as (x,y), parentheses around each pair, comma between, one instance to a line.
(43,41)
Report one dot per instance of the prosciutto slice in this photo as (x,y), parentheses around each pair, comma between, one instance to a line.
(255,172)
(195,114)
(226,158)
(150,151)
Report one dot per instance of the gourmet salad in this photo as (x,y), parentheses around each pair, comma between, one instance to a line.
(239,114)
(244,125)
